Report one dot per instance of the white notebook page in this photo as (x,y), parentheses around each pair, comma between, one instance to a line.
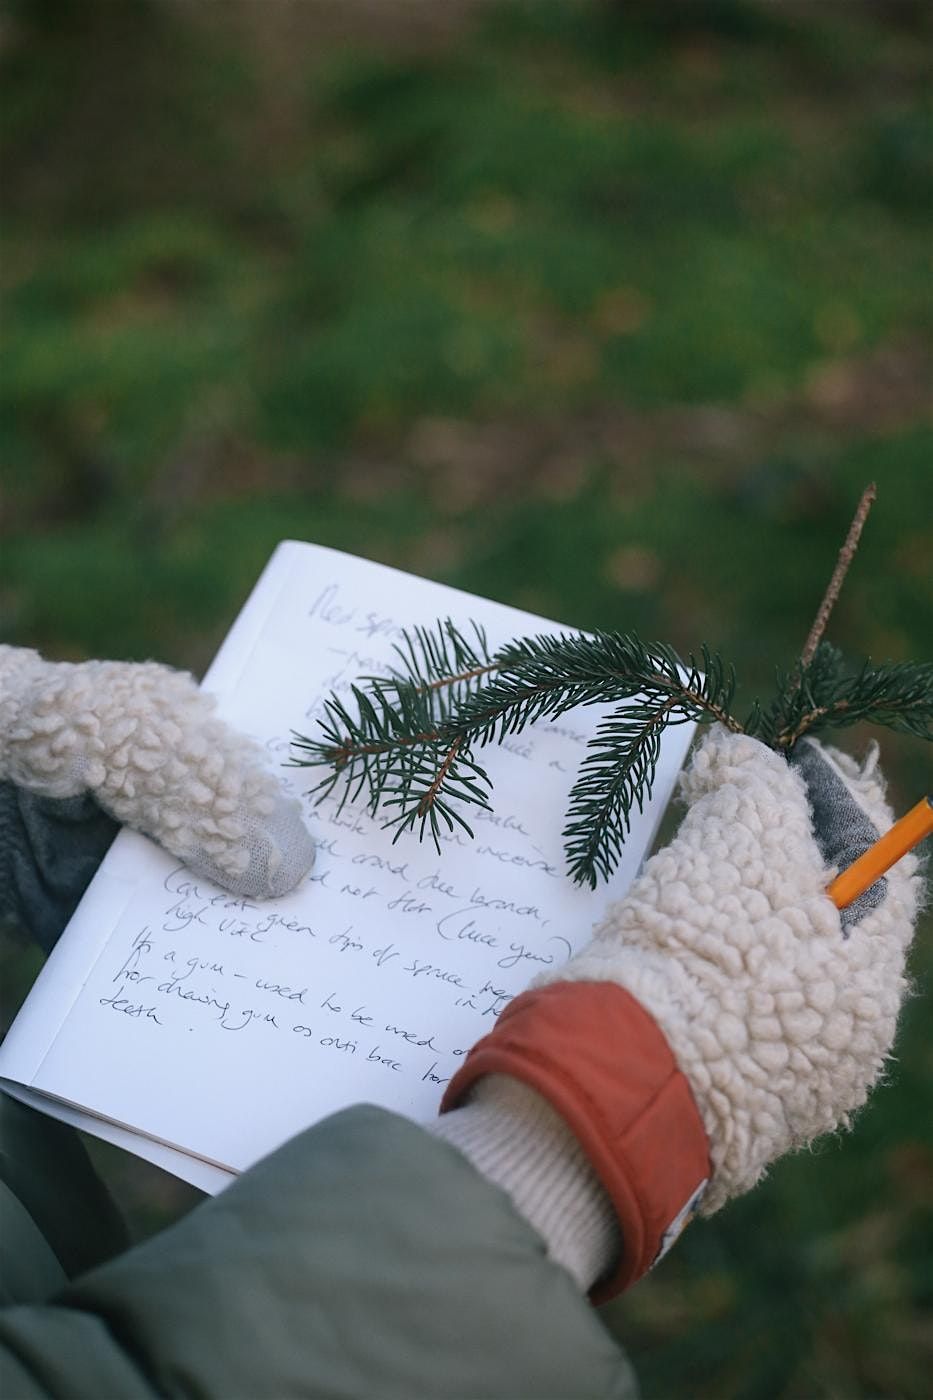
(221,1027)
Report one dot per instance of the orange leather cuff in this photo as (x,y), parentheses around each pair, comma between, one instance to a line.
(602,1062)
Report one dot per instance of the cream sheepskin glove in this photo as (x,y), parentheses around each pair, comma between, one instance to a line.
(144,742)
(779,1014)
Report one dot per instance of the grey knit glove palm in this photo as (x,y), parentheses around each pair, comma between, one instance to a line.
(144,743)
(780,1013)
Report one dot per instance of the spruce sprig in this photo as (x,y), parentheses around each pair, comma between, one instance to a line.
(408,741)
(396,745)
(828,695)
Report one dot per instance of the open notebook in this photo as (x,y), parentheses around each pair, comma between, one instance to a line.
(201,1031)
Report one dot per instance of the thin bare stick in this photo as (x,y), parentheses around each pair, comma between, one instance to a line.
(846,555)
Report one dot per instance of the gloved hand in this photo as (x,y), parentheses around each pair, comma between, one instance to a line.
(140,743)
(773,1011)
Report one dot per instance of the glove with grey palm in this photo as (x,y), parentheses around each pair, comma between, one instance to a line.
(780,1012)
(84,746)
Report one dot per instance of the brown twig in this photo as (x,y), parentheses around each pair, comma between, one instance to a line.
(461,676)
(846,555)
(715,710)
(341,754)
(787,740)
(429,798)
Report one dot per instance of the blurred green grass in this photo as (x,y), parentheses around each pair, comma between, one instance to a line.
(606,311)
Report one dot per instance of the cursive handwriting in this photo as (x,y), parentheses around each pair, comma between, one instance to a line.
(387,960)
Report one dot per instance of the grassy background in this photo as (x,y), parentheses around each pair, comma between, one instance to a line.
(605,310)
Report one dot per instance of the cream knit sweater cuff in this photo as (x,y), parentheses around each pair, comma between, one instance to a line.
(516,1139)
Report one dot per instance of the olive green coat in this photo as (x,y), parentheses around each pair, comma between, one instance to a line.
(364,1258)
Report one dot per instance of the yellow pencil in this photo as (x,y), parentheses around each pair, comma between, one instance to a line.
(903,836)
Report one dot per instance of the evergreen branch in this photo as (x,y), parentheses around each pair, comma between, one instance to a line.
(463,677)
(396,747)
(805,689)
(442,656)
(618,776)
(898,696)
(425,784)
(542,677)
(441,661)
(367,749)
(429,798)
(409,743)
(398,725)
(407,739)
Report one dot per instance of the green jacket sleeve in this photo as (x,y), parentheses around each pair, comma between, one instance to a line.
(363,1259)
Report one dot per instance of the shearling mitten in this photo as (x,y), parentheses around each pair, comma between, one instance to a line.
(146,745)
(723,1012)
(780,1017)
